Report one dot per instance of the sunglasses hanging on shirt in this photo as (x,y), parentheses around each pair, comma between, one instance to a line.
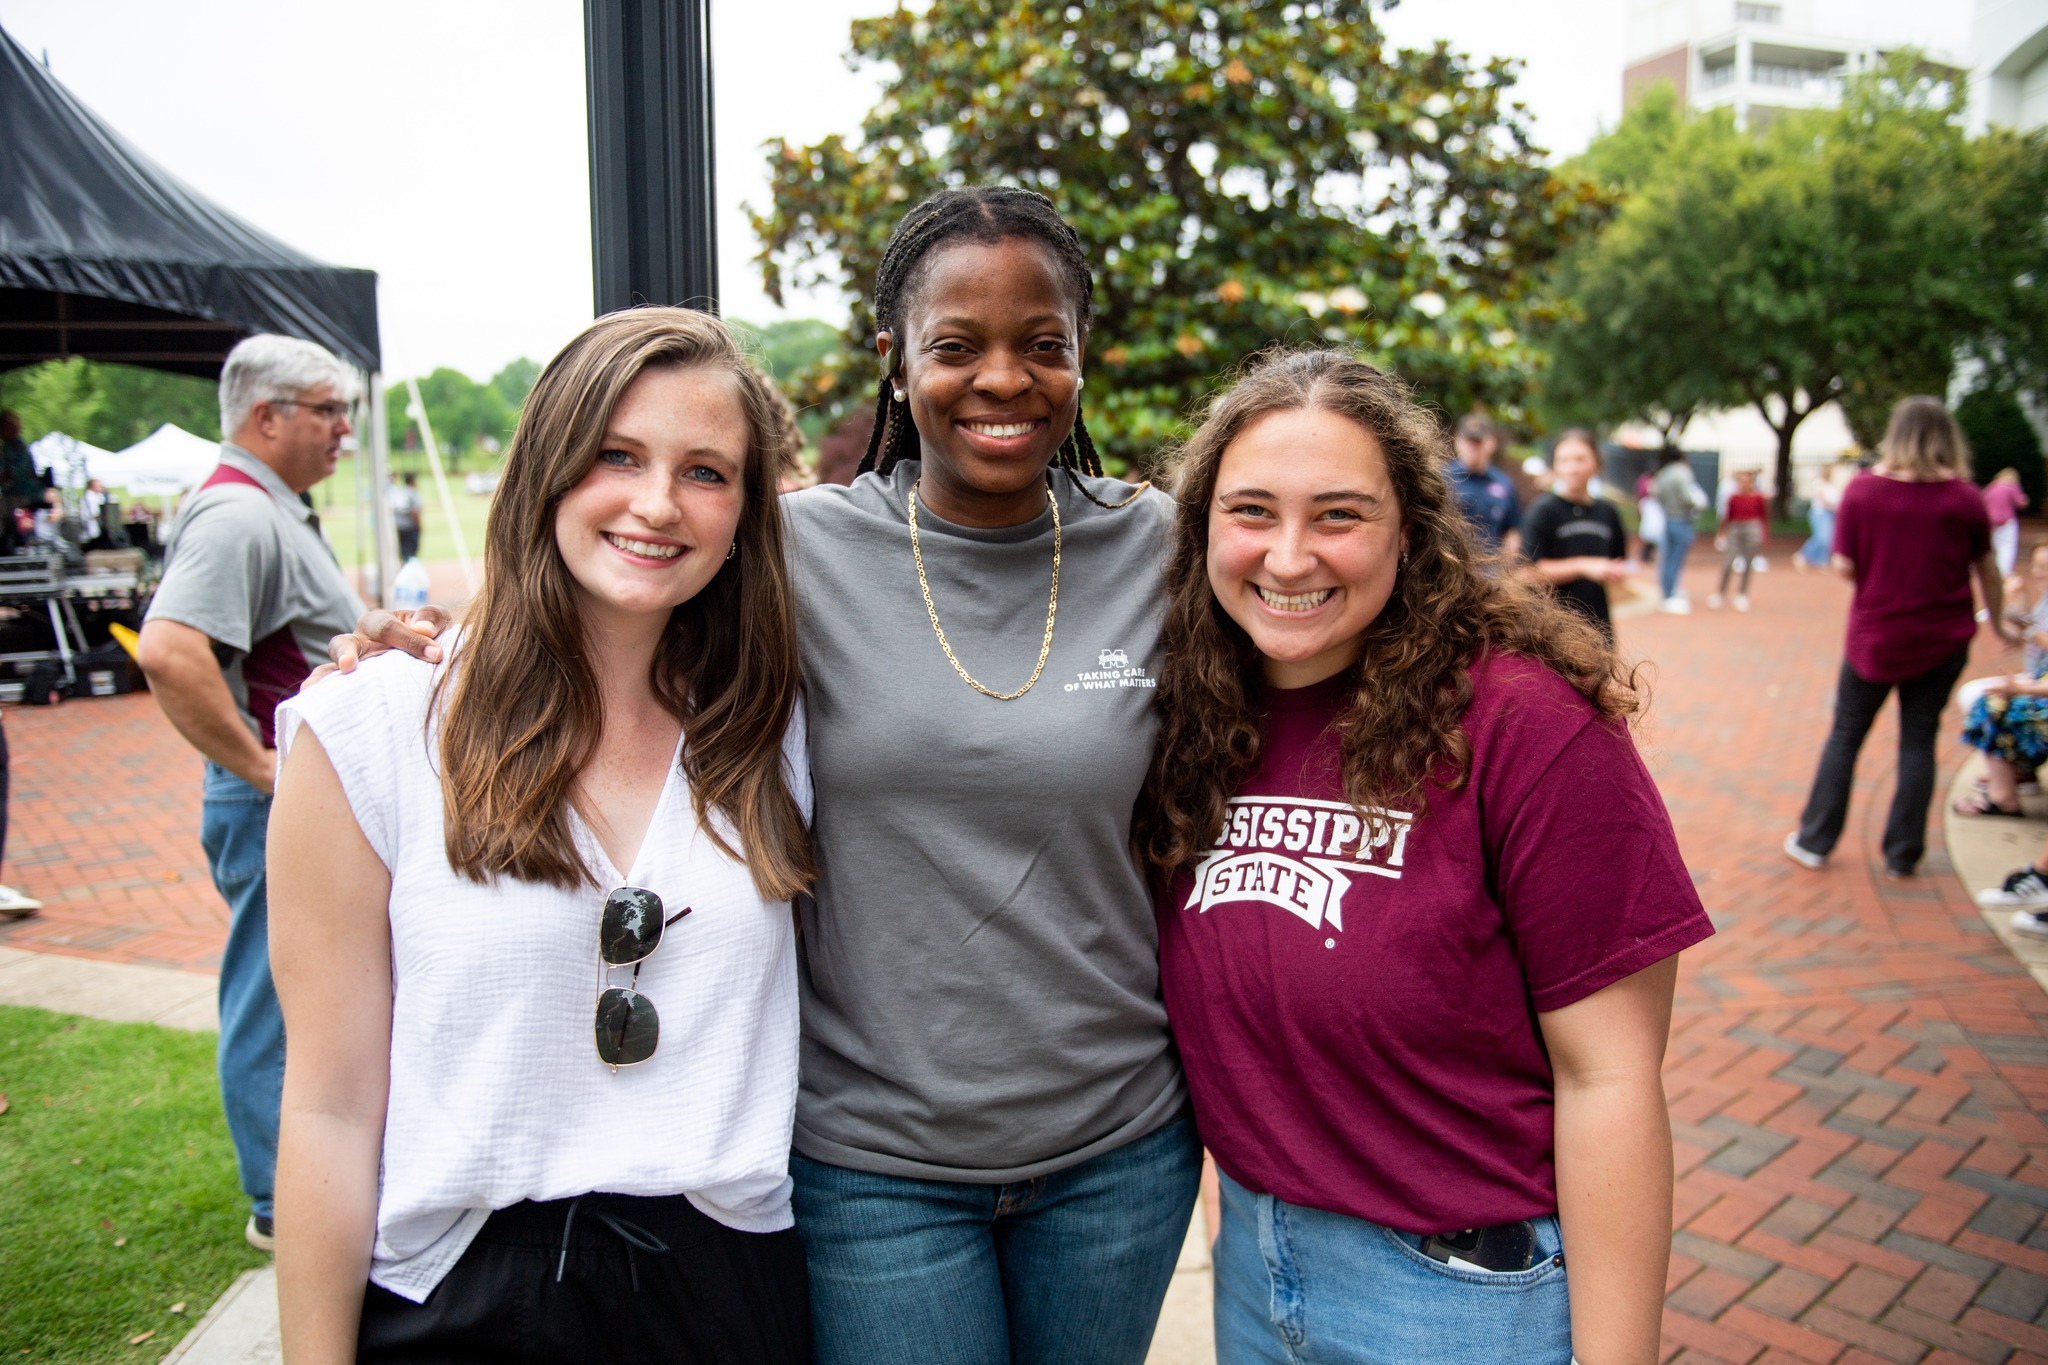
(628,932)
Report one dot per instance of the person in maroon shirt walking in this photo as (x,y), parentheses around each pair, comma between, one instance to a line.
(1741,538)
(1419,906)
(1911,532)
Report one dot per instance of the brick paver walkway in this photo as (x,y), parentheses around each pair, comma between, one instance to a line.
(1858,1071)
(103,828)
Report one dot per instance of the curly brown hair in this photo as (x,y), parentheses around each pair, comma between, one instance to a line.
(1410,687)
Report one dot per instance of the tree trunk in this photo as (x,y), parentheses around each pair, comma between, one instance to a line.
(1781,499)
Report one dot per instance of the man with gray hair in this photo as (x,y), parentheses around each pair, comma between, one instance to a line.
(250,596)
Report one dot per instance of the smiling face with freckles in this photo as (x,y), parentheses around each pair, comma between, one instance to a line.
(650,523)
(1305,541)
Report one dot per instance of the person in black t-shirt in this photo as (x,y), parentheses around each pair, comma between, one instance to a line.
(1575,541)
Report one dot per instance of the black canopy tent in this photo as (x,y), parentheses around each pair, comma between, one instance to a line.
(105,255)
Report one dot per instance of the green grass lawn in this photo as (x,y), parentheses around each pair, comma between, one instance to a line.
(118,1196)
(336,502)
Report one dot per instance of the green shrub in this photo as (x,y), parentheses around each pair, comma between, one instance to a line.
(2001,437)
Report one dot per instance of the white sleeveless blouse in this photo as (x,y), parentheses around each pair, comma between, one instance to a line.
(497,1094)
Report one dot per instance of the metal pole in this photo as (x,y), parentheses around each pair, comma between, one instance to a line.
(653,230)
(378,447)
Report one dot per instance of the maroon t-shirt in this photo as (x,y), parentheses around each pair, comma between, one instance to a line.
(1913,545)
(1355,995)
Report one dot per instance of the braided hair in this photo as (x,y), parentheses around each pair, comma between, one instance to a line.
(984,214)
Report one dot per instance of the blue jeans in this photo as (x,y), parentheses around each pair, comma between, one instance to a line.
(1821,543)
(1065,1269)
(1300,1286)
(232,821)
(1671,555)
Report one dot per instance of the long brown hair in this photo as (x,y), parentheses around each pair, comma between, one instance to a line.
(1410,688)
(523,713)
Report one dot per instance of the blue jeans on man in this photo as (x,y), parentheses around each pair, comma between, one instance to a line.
(1066,1269)
(233,820)
(1671,555)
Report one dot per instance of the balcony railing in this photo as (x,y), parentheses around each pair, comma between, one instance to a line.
(1714,77)
(1759,14)
(1806,79)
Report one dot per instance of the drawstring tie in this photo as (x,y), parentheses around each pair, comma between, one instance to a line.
(632,1234)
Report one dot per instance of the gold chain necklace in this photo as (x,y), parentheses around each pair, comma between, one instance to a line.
(1052,609)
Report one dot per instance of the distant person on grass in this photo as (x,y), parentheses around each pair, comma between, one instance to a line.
(1575,541)
(1910,533)
(405,515)
(250,596)
(1486,495)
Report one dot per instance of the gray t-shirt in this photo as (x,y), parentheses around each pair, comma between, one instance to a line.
(1678,492)
(245,564)
(980,977)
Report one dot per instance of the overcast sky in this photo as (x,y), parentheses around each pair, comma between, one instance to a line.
(441,142)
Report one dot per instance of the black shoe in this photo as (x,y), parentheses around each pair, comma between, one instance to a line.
(261,1232)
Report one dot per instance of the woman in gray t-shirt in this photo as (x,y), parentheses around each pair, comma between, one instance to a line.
(992,1156)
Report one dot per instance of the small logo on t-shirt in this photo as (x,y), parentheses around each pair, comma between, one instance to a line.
(1113,669)
(1299,854)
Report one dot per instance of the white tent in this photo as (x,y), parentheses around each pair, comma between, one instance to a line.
(167,461)
(73,460)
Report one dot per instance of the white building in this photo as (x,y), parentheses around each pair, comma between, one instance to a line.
(2009,57)
(1760,56)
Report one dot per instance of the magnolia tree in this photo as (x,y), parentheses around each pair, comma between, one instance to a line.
(1243,174)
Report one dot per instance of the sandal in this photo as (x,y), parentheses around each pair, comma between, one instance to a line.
(1980,803)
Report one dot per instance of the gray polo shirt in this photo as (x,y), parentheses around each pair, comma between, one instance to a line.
(980,976)
(245,564)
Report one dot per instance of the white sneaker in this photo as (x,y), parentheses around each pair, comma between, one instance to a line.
(1742,602)
(1678,606)
(2032,922)
(1758,564)
(1801,854)
(14,905)
(1714,601)
(2024,887)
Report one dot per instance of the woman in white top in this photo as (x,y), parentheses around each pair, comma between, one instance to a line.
(589,810)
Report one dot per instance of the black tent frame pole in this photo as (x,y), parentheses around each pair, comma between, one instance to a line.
(653,225)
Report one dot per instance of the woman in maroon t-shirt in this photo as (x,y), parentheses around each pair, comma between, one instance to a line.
(1910,533)
(1420,905)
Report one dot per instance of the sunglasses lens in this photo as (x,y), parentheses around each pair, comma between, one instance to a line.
(627,1027)
(631,926)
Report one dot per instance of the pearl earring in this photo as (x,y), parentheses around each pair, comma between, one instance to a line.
(1082,382)
(732,549)
(899,394)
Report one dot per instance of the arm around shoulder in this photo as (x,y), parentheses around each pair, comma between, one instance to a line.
(330,951)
